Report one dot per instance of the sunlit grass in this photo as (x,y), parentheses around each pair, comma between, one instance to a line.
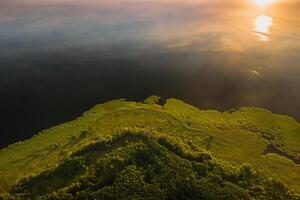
(237,136)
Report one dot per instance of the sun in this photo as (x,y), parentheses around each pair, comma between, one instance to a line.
(263,3)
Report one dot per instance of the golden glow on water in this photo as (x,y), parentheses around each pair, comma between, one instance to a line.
(263,3)
(262,25)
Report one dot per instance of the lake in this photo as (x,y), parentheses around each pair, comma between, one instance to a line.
(59,58)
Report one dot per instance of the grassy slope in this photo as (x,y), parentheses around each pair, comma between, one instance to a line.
(237,136)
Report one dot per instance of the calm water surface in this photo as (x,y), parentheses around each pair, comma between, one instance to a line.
(58,59)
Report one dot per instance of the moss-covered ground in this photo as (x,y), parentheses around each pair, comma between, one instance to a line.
(269,143)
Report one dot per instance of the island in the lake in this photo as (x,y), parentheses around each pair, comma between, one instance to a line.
(157,150)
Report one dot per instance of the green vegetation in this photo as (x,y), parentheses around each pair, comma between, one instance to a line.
(152,100)
(132,150)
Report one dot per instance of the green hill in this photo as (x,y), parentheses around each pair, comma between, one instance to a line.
(135,150)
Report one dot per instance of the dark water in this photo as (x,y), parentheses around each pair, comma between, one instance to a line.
(58,59)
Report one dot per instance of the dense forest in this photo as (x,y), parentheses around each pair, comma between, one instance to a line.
(136,165)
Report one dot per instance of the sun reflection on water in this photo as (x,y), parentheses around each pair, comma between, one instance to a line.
(262,25)
(263,3)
